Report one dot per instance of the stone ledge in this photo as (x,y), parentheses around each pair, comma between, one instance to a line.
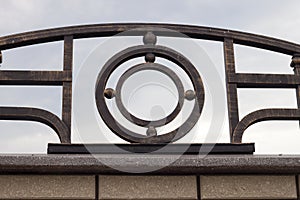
(149,164)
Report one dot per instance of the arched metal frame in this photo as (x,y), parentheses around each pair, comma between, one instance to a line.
(233,80)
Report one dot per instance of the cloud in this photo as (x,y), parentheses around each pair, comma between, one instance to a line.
(270,17)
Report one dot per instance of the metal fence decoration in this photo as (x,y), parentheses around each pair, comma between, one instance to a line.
(150,51)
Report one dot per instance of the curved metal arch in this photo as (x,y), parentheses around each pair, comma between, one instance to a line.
(39,115)
(106,30)
(263,115)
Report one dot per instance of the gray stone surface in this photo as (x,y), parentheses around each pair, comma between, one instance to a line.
(248,187)
(152,164)
(147,187)
(46,187)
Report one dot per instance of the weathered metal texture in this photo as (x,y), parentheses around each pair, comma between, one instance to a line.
(49,78)
(34,77)
(150,136)
(106,30)
(263,115)
(232,98)
(67,86)
(150,51)
(245,80)
(296,65)
(39,115)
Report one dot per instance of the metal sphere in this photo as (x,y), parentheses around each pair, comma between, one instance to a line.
(149,38)
(150,57)
(190,95)
(109,93)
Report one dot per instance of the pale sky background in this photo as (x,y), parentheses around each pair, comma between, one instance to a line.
(279,19)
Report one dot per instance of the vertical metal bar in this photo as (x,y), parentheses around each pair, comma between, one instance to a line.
(296,65)
(67,86)
(232,100)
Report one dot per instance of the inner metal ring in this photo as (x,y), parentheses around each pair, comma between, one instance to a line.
(139,51)
(156,67)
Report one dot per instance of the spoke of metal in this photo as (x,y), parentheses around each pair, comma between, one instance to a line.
(244,80)
(67,86)
(35,77)
(39,115)
(232,99)
(263,115)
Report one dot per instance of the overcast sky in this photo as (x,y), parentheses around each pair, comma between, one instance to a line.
(279,19)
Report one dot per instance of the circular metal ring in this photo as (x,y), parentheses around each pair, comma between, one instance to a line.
(157,67)
(159,51)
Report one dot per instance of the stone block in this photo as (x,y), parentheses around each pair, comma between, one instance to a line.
(47,187)
(147,187)
(248,187)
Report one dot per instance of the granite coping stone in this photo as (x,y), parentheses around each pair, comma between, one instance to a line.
(148,164)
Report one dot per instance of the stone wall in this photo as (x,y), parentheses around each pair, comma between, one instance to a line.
(115,187)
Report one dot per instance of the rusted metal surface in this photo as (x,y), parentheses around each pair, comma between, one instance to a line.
(246,80)
(107,30)
(67,86)
(150,50)
(34,77)
(232,98)
(263,115)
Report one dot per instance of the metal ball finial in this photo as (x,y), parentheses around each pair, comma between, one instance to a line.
(149,38)
(150,57)
(109,93)
(190,95)
(151,131)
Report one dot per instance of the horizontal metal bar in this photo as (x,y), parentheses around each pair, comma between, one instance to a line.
(182,148)
(107,30)
(34,77)
(245,80)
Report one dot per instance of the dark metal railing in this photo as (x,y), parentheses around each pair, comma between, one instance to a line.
(150,50)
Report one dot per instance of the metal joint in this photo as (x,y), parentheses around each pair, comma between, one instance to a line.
(295,60)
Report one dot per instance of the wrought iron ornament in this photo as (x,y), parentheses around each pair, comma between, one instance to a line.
(150,51)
